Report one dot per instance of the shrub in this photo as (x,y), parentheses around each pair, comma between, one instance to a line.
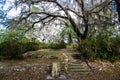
(56,45)
(60,45)
(44,45)
(31,46)
(15,49)
(102,48)
(11,49)
(88,48)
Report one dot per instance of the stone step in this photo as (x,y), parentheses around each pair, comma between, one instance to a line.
(73,64)
(77,61)
(76,67)
(82,68)
(78,70)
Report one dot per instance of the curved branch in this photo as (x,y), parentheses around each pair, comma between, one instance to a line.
(77,13)
(49,14)
(36,23)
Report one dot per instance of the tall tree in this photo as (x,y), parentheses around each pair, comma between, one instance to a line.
(79,13)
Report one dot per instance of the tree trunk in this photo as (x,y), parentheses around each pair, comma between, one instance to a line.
(77,31)
(70,38)
(86,28)
(75,28)
(118,8)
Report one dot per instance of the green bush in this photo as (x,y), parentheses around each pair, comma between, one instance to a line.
(60,45)
(56,45)
(44,45)
(88,49)
(11,49)
(101,48)
(29,46)
(15,49)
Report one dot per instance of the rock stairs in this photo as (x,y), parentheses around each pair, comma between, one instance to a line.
(74,64)
(77,67)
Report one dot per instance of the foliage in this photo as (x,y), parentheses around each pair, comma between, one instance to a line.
(101,48)
(9,35)
(11,49)
(94,13)
(68,30)
(72,45)
(13,45)
(57,45)
(14,49)
(88,49)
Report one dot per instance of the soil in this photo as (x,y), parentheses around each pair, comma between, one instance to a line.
(37,68)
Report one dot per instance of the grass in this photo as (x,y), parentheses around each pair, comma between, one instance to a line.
(44,52)
(71,46)
(48,52)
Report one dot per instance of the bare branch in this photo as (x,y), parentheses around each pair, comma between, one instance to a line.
(102,6)
(49,14)
(36,23)
(77,13)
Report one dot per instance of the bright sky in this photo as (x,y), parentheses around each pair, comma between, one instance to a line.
(13,12)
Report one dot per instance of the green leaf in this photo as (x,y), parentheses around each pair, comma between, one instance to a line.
(35,8)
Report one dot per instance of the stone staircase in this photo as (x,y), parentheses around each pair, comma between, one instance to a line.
(75,64)
(77,67)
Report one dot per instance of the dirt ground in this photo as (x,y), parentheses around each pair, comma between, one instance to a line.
(37,68)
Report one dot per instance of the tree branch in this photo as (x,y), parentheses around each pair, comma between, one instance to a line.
(77,13)
(49,14)
(36,23)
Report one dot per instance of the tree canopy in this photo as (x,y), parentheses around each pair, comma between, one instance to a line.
(82,15)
